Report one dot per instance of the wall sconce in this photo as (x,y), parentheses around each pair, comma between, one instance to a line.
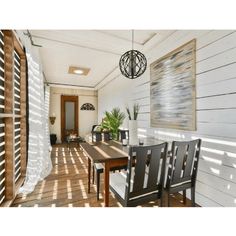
(52,118)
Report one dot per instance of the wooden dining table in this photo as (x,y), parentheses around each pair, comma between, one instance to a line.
(111,154)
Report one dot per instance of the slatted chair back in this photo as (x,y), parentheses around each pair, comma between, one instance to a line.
(93,127)
(146,170)
(183,162)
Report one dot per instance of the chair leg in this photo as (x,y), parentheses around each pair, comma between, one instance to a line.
(184,197)
(98,184)
(168,199)
(93,173)
(161,199)
(193,196)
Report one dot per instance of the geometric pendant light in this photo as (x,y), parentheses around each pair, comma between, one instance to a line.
(132,63)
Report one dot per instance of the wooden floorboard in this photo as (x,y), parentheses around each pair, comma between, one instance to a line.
(67,185)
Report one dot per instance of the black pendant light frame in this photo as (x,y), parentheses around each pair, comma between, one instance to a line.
(132,63)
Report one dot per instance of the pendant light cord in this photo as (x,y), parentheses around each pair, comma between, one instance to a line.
(132,39)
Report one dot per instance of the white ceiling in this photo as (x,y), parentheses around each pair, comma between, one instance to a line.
(99,50)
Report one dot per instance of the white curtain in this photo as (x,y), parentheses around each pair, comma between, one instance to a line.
(39,163)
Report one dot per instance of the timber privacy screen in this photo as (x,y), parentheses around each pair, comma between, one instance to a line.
(12,116)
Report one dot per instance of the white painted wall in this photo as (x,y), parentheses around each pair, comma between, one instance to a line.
(216,109)
(86,118)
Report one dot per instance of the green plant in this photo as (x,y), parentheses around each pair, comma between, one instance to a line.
(113,120)
(136,108)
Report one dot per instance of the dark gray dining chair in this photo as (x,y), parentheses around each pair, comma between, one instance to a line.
(123,134)
(144,179)
(182,169)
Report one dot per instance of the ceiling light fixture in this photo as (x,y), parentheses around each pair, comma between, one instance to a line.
(132,63)
(78,71)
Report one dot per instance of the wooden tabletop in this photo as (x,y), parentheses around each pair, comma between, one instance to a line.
(105,151)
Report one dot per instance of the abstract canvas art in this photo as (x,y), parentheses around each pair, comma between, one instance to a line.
(172,95)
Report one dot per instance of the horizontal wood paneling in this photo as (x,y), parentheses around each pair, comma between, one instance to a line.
(227,159)
(218,183)
(226,43)
(205,201)
(216,195)
(217,129)
(144,116)
(142,94)
(220,74)
(212,37)
(144,108)
(217,88)
(227,116)
(216,61)
(220,171)
(217,102)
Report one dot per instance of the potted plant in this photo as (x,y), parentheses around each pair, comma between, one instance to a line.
(133,131)
(112,121)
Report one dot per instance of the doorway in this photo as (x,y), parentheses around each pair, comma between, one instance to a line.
(69,116)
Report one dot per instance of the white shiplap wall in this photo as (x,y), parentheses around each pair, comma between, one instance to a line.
(216,109)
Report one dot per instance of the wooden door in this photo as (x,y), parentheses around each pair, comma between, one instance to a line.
(69,116)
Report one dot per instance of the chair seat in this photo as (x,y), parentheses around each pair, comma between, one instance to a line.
(118,182)
(98,166)
(181,183)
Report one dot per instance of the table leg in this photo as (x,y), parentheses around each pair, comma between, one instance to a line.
(89,174)
(106,183)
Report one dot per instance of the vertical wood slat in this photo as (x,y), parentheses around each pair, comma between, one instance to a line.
(154,166)
(17,128)
(181,151)
(17,147)
(141,159)
(189,161)
(2,123)
(23,136)
(2,162)
(9,121)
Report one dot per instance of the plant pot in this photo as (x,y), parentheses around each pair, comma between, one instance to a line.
(133,132)
(53,139)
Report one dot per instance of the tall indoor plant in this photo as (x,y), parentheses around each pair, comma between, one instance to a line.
(133,129)
(112,121)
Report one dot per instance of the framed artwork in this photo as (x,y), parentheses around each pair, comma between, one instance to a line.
(173,89)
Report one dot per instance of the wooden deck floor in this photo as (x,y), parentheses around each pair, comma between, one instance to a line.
(66,186)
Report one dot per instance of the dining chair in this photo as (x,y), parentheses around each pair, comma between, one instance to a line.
(143,181)
(182,168)
(123,134)
(96,133)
